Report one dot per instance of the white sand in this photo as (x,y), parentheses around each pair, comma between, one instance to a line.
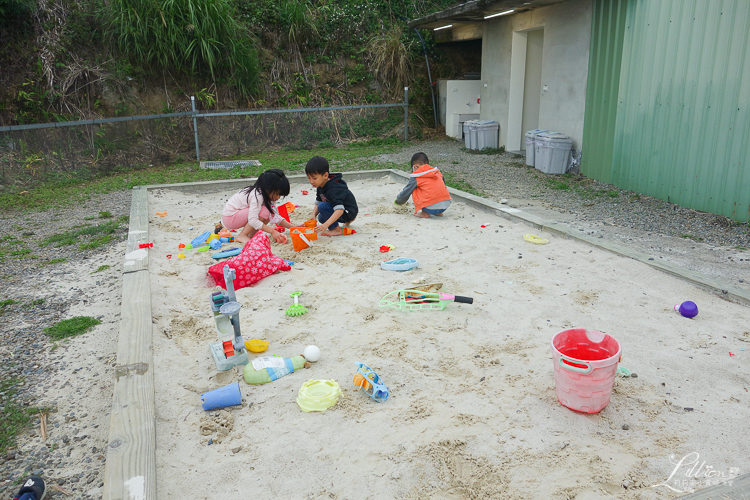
(473,411)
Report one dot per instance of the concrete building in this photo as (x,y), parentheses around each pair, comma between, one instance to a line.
(655,93)
(534,63)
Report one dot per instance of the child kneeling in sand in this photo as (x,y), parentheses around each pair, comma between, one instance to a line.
(254,208)
(334,202)
(426,187)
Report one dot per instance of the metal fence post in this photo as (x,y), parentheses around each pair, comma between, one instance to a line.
(406,113)
(195,128)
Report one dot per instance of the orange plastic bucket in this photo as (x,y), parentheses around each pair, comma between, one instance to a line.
(311,223)
(299,243)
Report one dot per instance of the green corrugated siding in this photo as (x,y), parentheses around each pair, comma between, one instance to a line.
(682,121)
(607,33)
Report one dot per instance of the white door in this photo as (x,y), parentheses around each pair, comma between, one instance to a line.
(532,91)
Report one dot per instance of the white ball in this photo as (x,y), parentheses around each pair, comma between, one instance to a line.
(311,353)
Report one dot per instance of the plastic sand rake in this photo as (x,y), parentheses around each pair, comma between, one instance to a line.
(418,300)
(296,309)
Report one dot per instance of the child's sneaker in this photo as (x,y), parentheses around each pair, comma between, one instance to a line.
(34,485)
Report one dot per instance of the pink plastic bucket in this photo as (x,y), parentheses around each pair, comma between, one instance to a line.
(585,366)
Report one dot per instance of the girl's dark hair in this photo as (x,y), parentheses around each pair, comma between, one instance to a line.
(270,181)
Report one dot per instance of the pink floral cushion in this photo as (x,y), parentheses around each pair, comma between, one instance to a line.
(254,263)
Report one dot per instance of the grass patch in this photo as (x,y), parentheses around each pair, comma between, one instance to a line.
(72,237)
(97,242)
(35,302)
(741,248)
(71,327)
(102,215)
(4,304)
(13,248)
(101,268)
(554,184)
(451,181)
(14,416)
(53,261)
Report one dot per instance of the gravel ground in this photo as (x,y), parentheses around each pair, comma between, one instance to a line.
(73,455)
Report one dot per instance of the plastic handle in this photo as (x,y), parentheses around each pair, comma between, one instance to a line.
(463,300)
(575,368)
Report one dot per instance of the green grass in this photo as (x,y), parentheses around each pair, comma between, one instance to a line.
(35,302)
(4,304)
(451,181)
(102,234)
(13,248)
(14,415)
(555,184)
(102,215)
(71,327)
(97,242)
(101,268)
(740,248)
(76,191)
(53,261)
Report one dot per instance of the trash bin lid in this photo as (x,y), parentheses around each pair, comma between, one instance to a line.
(535,132)
(486,124)
(555,140)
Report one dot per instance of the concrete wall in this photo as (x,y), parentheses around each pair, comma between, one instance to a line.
(567,33)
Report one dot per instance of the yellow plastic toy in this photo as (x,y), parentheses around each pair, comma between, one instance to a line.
(256,345)
(318,395)
(535,239)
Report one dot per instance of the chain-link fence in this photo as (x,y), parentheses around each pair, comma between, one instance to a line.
(77,151)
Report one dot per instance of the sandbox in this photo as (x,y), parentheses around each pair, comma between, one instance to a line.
(472,411)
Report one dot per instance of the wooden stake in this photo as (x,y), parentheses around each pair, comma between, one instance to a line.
(61,490)
(43,424)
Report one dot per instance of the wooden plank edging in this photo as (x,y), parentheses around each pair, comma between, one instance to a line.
(130,472)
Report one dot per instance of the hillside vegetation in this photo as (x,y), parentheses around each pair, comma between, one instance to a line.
(70,59)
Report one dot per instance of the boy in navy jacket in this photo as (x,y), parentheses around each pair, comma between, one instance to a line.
(334,202)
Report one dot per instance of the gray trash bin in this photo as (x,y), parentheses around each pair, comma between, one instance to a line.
(552,152)
(530,139)
(486,133)
(470,134)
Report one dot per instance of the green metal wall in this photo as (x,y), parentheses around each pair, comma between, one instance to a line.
(602,87)
(681,125)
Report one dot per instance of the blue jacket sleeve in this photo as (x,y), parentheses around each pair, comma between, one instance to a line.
(405,193)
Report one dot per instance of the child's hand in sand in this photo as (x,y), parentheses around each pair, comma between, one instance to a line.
(278,237)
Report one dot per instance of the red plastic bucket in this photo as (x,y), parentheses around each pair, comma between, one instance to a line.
(585,364)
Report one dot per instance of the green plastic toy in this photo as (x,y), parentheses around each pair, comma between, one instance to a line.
(418,300)
(296,309)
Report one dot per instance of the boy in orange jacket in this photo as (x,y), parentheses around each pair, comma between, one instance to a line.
(426,187)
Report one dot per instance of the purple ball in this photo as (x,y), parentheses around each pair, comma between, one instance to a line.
(688,309)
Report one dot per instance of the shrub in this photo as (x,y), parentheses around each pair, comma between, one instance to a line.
(189,35)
